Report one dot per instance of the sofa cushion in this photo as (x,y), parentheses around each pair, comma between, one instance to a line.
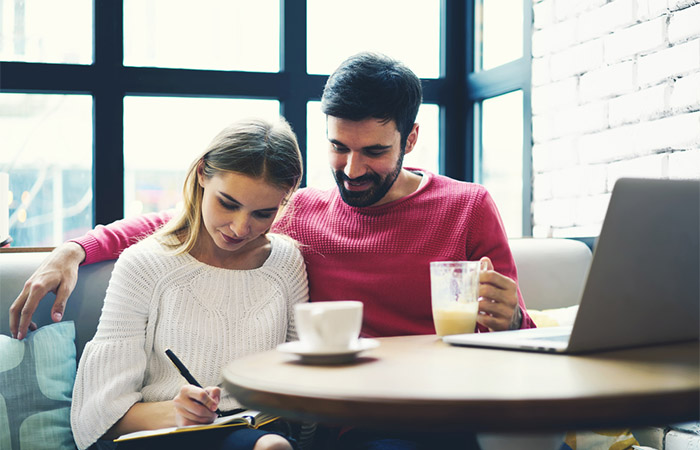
(555,317)
(36,385)
(551,271)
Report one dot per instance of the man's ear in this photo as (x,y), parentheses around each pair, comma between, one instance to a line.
(412,138)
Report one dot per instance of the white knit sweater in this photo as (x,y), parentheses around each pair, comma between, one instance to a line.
(208,316)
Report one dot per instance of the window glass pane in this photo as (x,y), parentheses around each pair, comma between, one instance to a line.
(337,29)
(424,156)
(46,143)
(498,32)
(502,156)
(163,135)
(39,31)
(426,153)
(207,34)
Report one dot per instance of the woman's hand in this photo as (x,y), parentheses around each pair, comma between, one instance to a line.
(194,405)
(58,273)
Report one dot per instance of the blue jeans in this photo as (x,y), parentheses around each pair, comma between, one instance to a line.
(360,439)
(235,438)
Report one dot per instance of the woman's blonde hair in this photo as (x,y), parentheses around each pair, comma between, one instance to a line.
(253,147)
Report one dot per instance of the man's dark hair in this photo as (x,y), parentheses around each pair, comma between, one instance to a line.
(374,85)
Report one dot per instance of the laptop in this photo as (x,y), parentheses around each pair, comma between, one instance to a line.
(643,286)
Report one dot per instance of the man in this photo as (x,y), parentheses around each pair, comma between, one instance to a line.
(369,239)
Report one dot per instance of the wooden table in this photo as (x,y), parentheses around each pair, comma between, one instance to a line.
(420,381)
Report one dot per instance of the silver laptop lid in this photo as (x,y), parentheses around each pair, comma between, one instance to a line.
(645,267)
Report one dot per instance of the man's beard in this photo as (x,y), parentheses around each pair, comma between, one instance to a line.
(380,186)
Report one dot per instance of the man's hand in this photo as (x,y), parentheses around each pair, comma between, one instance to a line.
(498,302)
(194,405)
(58,274)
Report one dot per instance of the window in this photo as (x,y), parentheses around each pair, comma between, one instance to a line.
(123,98)
(29,31)
(339,28)
(163,135)
(47,151)
(207,34)
(499,86)
(499,33)
(501,165)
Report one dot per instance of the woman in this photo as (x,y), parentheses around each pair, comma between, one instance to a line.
(212,285)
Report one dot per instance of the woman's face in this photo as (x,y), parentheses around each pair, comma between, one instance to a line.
(237,209)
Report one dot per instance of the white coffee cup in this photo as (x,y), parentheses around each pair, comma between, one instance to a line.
(329,326)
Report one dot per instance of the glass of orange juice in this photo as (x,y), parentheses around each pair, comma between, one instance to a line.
(454,290)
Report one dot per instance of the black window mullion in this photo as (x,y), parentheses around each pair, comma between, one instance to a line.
(108,147)
(44,78)
(456,130)
(293,66)
(202,83)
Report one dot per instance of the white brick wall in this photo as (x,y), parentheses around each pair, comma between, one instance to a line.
(685,95)
(606,82)
(683,25)
(684,164)
(615,92)
(642,38)
(576,60)
(642,105)
(681,59)
(601,20)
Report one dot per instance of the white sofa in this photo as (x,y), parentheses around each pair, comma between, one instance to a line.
(39,372)
(84,305)
(552,273)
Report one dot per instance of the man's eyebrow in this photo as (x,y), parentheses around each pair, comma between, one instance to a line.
(369,147)
(233,200)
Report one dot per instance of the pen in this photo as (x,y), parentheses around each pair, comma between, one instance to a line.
(185,373)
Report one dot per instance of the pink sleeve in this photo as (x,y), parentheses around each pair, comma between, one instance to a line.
(107,242)
(489,239)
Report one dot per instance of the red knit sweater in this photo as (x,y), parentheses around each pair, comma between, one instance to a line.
(379,255)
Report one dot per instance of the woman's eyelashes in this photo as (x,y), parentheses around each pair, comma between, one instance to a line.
(234,206)
(263,215)
(227,205)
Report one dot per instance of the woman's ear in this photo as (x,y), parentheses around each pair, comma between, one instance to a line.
(200,173)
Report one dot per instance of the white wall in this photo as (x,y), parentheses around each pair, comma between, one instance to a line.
(615,92)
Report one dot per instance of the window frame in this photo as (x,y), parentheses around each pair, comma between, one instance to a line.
(485,84)
(108,81)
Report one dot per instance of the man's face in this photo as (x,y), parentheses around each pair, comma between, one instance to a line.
(366,159)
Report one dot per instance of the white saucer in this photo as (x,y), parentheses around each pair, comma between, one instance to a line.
(322,356)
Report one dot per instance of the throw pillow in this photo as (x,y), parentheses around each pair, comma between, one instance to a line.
(36,386)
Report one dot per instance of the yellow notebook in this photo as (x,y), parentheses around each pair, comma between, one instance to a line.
(248,418)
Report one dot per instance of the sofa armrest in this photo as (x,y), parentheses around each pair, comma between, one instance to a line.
(84,305)
(551,272)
